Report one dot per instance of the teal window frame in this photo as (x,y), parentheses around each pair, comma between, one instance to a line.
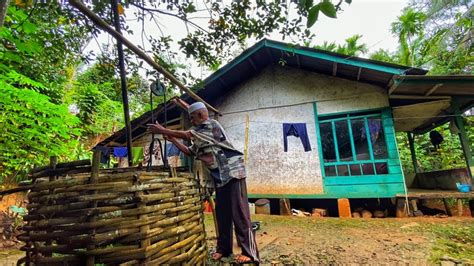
(332,119)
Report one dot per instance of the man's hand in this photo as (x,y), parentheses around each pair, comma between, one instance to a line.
(156,128)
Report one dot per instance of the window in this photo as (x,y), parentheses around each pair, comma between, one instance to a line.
(353,145)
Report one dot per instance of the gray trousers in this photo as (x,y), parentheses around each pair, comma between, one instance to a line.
(232,208)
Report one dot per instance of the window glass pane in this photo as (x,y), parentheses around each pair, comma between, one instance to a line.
(342,170)
(327,142)
(355,169)
(360,139)
(330,170)
(377,137)
(343,141)
(368,168)
(381,168)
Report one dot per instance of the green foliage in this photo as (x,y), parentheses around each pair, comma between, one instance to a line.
(351,46)
(32,129)
(448,156)
(40,41)
(32,125)
(312,16)
(328,9)
(231,23)
(383,55)
(436,35)
(408,25)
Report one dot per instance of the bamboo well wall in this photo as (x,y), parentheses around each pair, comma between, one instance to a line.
(125,215)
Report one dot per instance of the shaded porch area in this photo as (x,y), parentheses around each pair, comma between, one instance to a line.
(421,104)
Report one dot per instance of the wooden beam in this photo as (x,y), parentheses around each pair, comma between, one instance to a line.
(358,73)
(105,26)
(394,86)
(253,64)
(143,121)
(334,69)
(433,89)
(418,97)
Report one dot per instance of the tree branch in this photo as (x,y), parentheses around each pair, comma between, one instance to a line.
(185,20)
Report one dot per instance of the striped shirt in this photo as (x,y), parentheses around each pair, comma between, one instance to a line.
(212,147)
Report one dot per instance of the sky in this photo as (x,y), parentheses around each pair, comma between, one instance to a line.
(370,18)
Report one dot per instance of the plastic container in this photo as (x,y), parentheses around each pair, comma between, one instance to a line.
(463,187)
(262,206)
(252,208)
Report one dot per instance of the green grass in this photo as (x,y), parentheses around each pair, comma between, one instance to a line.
(453,240)
(447,237)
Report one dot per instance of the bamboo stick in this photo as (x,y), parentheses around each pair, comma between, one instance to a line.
(176,246)
(93,180)
(63,165)
(62,171)
(107,250)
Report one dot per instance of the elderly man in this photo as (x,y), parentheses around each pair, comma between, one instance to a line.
(211,145)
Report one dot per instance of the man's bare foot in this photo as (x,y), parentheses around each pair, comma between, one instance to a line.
(217,256)
(242,259)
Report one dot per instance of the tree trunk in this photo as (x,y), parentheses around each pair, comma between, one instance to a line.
(3,10)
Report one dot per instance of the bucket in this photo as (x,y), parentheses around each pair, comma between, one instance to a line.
(463,187)
(252,208)
(262,206)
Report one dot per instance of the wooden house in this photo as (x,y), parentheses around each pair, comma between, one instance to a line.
(350,107)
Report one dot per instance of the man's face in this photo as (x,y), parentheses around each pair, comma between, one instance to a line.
(198,117)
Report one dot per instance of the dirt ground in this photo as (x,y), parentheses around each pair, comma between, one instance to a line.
(305,240)
(284,240)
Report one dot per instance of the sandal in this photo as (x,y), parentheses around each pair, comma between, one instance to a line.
(242,259)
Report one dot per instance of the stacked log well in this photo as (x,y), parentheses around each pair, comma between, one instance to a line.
(113,216)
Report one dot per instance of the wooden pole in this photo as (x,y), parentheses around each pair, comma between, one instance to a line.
(466,148)
(447,208)
(214,215)
(460,209)
(103,25)
(411,141)
(94,179)
(123,83)
(53,161)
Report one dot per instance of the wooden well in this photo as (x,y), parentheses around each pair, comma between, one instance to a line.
(82,216)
